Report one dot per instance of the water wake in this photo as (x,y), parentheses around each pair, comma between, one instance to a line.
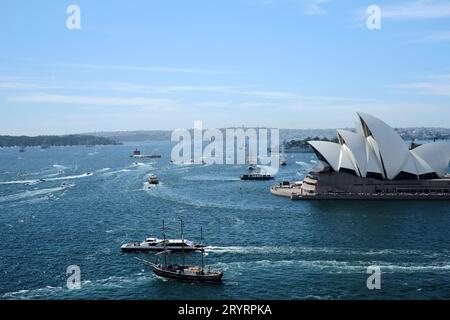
(34,193)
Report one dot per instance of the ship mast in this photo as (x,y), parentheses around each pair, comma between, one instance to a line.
(165,247)
(203,249)
(182,242)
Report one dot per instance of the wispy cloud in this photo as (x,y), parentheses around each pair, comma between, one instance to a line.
(91,100)
(314,7)
(435,85)
(412,10)
(426,88)
(309,7)
(422,9)
(20,85)
(232,90)
(152,69)
(435,37)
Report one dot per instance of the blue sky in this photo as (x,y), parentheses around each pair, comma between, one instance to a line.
(278,63)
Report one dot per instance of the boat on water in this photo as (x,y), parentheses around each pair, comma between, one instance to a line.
(252,174)
(31,183)
(22,149)
(183,271)
(283,161)
(153,179)
(257,176)
(158,245)
(137,154)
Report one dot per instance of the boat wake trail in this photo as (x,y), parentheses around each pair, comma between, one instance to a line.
(86,285)
(331,266)
(31,194)
(288,250)
(36,181)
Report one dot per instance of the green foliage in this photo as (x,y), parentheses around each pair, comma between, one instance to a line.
(67,140)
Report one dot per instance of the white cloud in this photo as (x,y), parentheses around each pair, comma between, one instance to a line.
(309,7)
(412,10)
(426,88)
(152,69)
(92,100)
(314,7)
(435,37)
(434,85)
(20,85)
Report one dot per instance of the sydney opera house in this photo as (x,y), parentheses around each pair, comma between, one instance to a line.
(373,163)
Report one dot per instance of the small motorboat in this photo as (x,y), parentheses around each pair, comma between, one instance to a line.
(66,185)
(153,179)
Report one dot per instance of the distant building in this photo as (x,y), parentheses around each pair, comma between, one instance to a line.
(374,162)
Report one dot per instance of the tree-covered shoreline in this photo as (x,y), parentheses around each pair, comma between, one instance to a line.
(47,141)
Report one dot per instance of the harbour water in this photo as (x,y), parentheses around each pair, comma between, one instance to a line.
(268,247)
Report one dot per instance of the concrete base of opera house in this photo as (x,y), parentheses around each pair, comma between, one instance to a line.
(344,186)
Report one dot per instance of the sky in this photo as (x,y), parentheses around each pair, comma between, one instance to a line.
(161,64)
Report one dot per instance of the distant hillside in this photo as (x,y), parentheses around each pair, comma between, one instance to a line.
(129,136)
(164,135)
(67,140)
(408,134)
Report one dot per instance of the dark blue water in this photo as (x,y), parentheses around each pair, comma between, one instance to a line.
(268,247)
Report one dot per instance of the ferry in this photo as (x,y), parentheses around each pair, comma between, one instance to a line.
(137,154)
(158,245)
(257,176)
(153,179)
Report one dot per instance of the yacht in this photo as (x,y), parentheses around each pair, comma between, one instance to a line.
(157,245)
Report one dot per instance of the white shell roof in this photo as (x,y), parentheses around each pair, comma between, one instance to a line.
(329,150)
(392,149)
(436,155)
(357,146)
(346,160)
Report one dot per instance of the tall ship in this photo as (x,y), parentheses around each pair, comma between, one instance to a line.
(183,271)
(373,163)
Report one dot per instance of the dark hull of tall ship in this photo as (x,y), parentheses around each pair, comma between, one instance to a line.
(210,277)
